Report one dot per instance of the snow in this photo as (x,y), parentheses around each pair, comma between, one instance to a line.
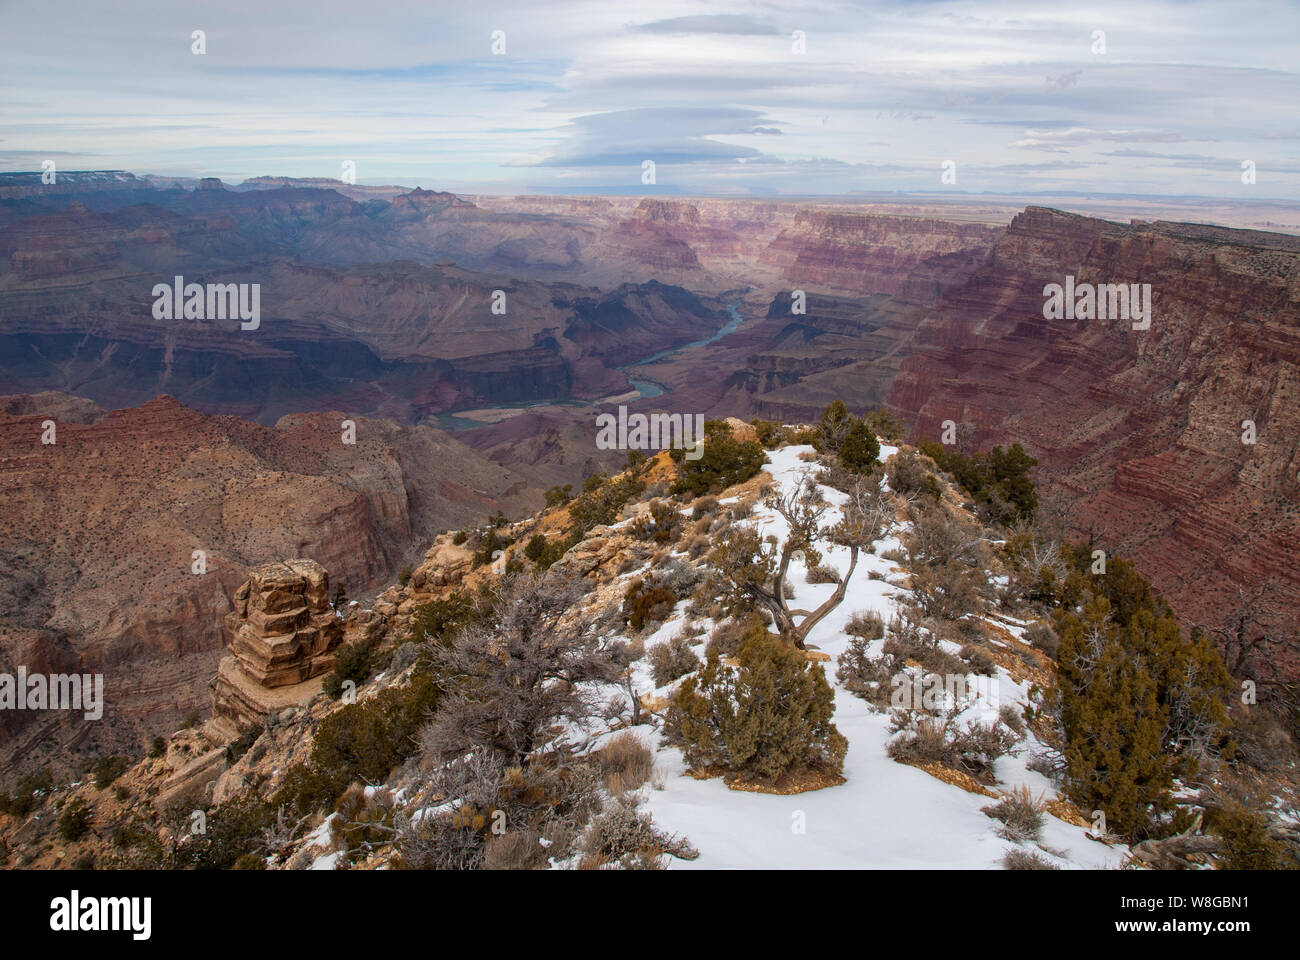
(886,814)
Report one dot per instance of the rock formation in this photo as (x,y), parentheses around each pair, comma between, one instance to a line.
(282,635)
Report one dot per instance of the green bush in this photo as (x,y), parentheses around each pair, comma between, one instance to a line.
(601,502)
(999,482)
(833,427)
(559,495)
(767,717)
(234,831)
(351,662)
(724,462)
(74,820)
(1246,841)
(108,769)
(884,424)
(437,620)
(361,741)
(860,450)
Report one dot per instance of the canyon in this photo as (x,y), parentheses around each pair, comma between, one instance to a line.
(378,307)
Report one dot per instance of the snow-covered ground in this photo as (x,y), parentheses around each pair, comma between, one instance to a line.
(886,814)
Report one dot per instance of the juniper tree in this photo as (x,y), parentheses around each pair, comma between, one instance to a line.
(833,427)
(767,716)
(1113,722)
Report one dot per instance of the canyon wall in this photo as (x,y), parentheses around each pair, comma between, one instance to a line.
(1138,432)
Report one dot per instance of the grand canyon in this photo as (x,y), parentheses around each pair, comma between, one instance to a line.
(725,439)
(191,434)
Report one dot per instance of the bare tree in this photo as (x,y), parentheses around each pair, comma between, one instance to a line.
(507,681)
(758,569)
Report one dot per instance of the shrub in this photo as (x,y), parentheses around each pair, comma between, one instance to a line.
(622,833)
(405,655)
(904,640)
(672,659)
(979,659)
(437,620)
(908,473)
(158,747)
(867,677)
(1013,719)
(362,821)
(535,549)
(74,820)
(661,523)
(559,495)
(351,663)
(361,741)
(509,683)
(601,501)
(625,763)
(490,545)
(725,639)
(724,462)
(515,850)
(1113,718)
(646,601)
(404,576)
(704,507)
(1017,859)
(1041,636)
(859,450)
(459,537)
(1020,813)
(1246,841)
(884,424)
(866,624)
(972,749)
(823,573)
(681,578)
(999,482)
(768,717)
(108,769)
(833,427)
(770,434)
(234,829)
(23,800)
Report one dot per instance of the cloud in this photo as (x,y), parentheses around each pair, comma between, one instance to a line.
(724,23)
(661,134)
(1058,140)
(713,88)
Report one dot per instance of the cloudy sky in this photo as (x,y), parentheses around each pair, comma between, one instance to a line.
(724,97)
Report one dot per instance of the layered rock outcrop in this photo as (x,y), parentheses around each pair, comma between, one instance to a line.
(282,636)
